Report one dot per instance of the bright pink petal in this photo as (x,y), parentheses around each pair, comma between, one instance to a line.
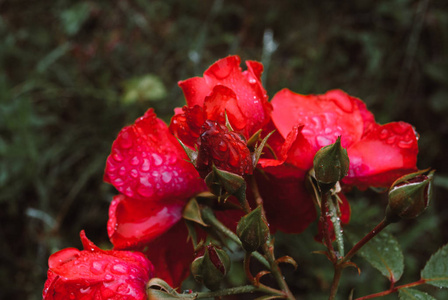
(97,274)
(289,207)
(133,223)
(325,117)
(171,255)
(148,163)
(384,154)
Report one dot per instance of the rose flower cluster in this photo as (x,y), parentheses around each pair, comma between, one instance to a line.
(227,114)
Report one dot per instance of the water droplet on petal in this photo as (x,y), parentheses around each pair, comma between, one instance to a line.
(146,165)
(97,268)
(166,177)
(117,156)
(135,161)
(405,144)
(125,141)
(108,277)
(384,134)
(85,290)
(157,159)
(134,173)
(145,191)
(391,140)
(119,269)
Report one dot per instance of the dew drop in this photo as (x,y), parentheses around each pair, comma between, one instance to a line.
(391,140)
(84,290)
(72,296)
(405,144)
(384,133)
(221,69)
(118,182)
(122,171)
(222,146)
(118,156)
(145,191)
(252,80)
(135,161)
(108,277)
(157,159)
(323,141)
(146,165)
(97,268)
(125,141)
(134,173)
(119,269)
(166,177)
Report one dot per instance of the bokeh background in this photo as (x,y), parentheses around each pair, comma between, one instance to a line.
(72,73)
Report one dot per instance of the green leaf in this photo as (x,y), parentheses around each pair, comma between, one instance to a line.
(436,270)
(411,294)
(383,253)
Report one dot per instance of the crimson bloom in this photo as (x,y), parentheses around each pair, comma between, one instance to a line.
(96,274)
(224,89)
(305,123)
(151,170)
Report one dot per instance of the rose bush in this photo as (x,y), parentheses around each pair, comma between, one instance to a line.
(96,274)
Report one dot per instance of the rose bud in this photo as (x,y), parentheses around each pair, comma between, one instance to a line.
(253,230)
(409,196)
(211,267)
(96,274)
(223,148)
(331,164)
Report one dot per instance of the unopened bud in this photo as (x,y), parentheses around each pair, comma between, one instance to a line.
(331,163)
(211,267)
(409,196)
(253,230)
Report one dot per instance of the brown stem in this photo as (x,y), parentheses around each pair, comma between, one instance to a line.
(378,228)
(393,290)
(336,278)
(247,268)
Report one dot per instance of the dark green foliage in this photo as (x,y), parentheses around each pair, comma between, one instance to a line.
(67,69)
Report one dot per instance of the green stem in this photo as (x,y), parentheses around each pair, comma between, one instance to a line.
(327,236)
(247,268)
(210,219)
(275,270)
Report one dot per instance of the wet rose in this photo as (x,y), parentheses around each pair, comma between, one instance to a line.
(93,273)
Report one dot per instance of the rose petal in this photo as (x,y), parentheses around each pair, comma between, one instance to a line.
(250,95)
(133,223)
(384,154)
(288,205)
(171,255)
(148,163)
(325,117)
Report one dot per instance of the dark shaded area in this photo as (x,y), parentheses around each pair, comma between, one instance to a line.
(72,73)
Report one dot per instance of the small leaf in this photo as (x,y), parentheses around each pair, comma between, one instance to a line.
(435,271)
(192,212)
(383,253)
(412,294)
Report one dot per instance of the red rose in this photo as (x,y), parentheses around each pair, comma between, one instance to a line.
(378,153)
(96,274)
(224,89)
(150,168)
(223,148)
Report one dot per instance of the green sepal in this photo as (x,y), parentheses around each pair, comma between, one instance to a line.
(259,149)
(156,289)
(192,212)
(253,230)
(224,184)
(192,154)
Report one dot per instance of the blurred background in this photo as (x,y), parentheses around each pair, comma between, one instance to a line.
(73,73)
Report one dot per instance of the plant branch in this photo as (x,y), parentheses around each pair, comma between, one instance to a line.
(392,290)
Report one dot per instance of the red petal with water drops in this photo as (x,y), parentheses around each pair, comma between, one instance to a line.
(250,95)
(148,163)
(97,274)
(171,255)
(325,117)
(289,207)
(385,153)
(186,124)
(134,223)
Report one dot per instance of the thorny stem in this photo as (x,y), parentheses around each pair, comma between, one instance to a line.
(393,290)
(342,263)
(378,228)
(268,247)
